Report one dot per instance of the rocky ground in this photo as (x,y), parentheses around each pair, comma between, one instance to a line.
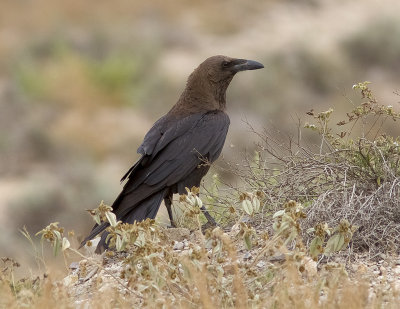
(103,274)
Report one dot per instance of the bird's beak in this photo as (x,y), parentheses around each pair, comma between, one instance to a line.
(244,65)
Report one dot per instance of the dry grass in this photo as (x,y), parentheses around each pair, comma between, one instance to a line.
(214,270)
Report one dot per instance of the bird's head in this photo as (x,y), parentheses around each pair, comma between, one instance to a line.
(220,68)
(206,86)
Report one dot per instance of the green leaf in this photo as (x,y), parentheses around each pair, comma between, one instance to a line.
(292,235)
(190,199)
(256,204)
(284,226)
(97,219)
(65,244)
(58,235)
(119,243)
(152,255)
(247,241)
(279,213)
(310,230)
(56,247)
(316,247)
(111,218)
(247,207)
(140,240)
(218,247)
(335,243)
(199,202)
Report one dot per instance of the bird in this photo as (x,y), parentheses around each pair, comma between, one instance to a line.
(177,151)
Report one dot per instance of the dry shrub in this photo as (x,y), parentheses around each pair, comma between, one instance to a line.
(376,212)
(352,175)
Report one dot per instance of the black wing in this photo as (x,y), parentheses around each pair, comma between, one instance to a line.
(160,135)
(171,151)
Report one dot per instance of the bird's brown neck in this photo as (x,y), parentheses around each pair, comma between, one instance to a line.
(201,94)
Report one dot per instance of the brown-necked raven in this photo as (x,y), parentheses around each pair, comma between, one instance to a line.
(174,151)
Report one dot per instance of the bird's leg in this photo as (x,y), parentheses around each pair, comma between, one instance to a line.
(168,204)
(210,219)
(211,224)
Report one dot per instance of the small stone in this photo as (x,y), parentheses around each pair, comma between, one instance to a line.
(311,266)
(177,234)
(397,270)
(26,294)
(247,256)
(235,229)
(261,264)
(178,245)
(229,269)
(106,288)
(362,269)
(74,265)
(245,219)
(277,258)
(373,267)
(371,296)
(89,274)
(70,280)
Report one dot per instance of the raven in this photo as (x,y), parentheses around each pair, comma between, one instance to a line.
(174,151)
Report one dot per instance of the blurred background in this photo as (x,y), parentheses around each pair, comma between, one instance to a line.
(81,82)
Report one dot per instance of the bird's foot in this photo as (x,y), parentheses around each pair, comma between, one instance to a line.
(208,226)
(172,226)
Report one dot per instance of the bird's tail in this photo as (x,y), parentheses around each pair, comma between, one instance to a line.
(97,229)
(147,208)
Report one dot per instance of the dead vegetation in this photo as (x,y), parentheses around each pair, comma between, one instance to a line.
(352,174)
(244,267)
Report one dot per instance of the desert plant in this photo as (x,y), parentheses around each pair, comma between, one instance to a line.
(353,174)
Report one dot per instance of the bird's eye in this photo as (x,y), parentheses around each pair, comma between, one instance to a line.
(225,64)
